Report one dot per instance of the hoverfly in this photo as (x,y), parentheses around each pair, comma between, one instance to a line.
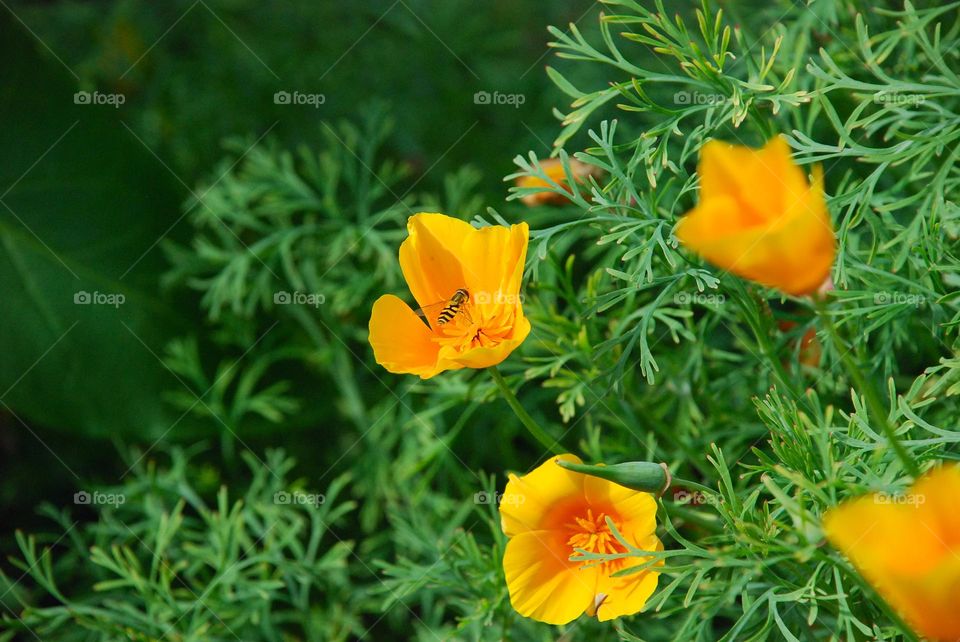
(447,309)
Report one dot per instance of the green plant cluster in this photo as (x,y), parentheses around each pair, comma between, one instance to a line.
(163,563)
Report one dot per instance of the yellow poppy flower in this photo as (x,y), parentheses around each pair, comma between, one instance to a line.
(908,547)
(441,256)
(551,512)
(553,168)
(759,218)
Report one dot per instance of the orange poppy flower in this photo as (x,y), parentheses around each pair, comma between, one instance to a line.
(908,547)
(550,513)
(467,283)
(553,168)
(759,218)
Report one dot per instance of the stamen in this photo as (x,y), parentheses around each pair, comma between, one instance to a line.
(591,533)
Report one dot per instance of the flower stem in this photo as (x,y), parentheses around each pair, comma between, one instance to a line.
(532,427)
(756,320)
(874,404)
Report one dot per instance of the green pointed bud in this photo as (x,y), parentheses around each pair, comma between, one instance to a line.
(644,476)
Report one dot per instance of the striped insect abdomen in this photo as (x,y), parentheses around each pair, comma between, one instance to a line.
(451,309)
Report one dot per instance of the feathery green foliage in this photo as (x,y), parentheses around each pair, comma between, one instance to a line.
(639,351)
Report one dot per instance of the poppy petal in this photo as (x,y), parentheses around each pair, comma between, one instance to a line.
(491,258)
(535,498)
(429,256)
(543,583)
(794,255)
(401,342)
(764,180)
(907,547)
(484,357)
(628,594)
(759,218)
(637,512)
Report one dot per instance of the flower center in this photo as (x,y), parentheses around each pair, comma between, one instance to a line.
(475,327)
(592,534)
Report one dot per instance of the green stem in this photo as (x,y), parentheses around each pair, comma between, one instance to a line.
(756,319)
(532,427)
(695,517)
(694,485)
(874,404)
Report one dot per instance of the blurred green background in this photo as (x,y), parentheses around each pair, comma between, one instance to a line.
(91,190)
(95,185)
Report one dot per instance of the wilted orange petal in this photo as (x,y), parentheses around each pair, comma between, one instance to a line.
(553,168)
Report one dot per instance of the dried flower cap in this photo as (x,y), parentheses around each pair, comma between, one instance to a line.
(553,167)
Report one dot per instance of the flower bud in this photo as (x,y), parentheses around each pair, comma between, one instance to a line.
(644,476)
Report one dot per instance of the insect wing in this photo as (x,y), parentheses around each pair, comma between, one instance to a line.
(432,311)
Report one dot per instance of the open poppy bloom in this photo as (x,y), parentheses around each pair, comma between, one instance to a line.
(553,168)
(759,218)
(908,547)
(466,282)
(550,513)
